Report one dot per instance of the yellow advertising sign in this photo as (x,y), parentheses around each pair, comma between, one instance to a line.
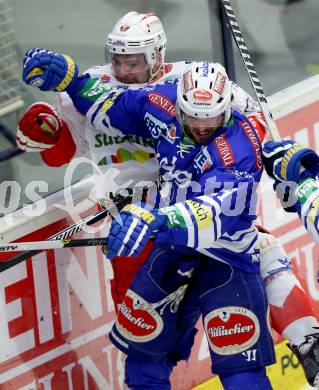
(286,374)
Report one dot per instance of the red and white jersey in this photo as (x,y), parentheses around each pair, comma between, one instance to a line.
(124,160)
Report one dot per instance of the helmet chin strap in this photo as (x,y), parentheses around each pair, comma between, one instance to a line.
(160,68)
(154,75)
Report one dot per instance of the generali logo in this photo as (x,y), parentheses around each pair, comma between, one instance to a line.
(162,102)
(137,320)
(202,95)
(231,330)
(224,150)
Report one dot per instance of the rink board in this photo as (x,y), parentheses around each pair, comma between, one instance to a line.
(56,310)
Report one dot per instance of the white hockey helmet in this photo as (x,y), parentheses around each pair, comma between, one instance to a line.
(137,33)
(204,91)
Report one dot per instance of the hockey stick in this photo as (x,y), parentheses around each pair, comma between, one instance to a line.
(250,67)
(46,245)
(65,234)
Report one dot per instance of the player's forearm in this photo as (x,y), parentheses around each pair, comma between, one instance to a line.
(83,94)
(193,223)
(201,221)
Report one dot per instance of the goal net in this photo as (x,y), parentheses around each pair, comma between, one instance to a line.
(10,99)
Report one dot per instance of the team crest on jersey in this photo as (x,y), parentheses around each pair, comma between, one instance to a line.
(137,320)
(160,129)
(203,160)
(231,330)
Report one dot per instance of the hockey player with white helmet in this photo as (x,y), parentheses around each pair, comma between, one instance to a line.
(197,265)
(202,112)
(137,34)
(143,62)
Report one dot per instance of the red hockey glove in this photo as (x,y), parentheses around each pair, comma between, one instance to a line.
(39,128)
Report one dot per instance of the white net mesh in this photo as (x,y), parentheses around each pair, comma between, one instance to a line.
(10,99)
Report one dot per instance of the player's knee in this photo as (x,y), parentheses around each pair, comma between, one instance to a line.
(253,380)
(273,265)
(147,373)
(273,259)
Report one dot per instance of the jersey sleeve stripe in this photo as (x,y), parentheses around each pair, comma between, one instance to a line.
(190,227)
(216,220)
(238,236)
(93,110)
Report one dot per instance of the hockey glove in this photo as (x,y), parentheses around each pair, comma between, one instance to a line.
(39,128)
(130,232)
(48,71)
(284,161)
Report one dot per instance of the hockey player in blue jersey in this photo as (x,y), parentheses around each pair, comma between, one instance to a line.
(140,63)
(210,164)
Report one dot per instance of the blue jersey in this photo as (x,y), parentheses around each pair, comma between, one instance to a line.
(210,189)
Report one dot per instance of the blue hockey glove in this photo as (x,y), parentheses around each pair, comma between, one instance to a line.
(283,161)
(130,233)
(48,71)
